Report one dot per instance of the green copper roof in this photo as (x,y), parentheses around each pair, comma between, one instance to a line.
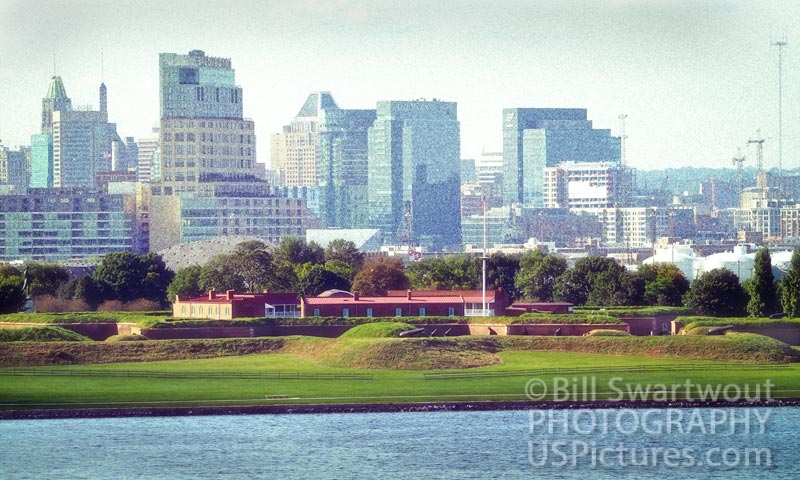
(56,88)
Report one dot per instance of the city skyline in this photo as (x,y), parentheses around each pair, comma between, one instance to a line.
(696,79)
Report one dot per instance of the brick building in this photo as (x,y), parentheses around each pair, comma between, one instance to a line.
(405,303)
(237,305)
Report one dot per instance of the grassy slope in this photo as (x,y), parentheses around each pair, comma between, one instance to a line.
(40,334)
(387,386)
(396,353)
(397,365)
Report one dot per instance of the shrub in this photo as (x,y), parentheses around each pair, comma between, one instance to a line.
(51,304)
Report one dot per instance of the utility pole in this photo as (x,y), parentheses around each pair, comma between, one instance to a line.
(780,43)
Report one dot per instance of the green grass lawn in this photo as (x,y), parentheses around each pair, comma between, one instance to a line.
(386,385)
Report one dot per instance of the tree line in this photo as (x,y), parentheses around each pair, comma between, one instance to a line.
(307,269)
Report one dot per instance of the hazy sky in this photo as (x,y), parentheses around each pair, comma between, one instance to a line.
(697,79)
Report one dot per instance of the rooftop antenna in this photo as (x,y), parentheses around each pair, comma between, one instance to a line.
(54,63)
(780,43)
(102,80)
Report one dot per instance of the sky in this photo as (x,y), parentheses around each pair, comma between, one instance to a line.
(696,79)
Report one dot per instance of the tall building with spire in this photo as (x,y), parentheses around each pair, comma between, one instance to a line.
(414,173)
(56,100)
(82,144)
(294,150)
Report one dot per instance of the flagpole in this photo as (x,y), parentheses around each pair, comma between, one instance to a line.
(483,259)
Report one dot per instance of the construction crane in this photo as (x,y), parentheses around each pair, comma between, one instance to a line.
(759,152)
(738,160)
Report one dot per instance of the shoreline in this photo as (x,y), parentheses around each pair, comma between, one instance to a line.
(294,409)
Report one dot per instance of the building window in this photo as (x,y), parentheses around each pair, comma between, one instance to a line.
(316,312)
(398,312)
(451,312)
(422,311)
(227,310)
(345,312)
(369,312)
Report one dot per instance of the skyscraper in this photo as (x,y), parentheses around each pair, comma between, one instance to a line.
(294,150)
(205,141)
(535,138)
(413,173)
(342,167)
(209,182)
(41,161)
(81,147)
(56,100)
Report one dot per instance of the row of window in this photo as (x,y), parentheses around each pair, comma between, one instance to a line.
(398,312)
(211,310)
(179,123)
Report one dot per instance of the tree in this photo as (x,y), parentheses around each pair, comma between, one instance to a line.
(344,251)
(221,274)
(295,251)
(537,274)
(717,293)
(343,269)
(126,276)
(12,298)
(763,294)
(598,281)
(186,283)
(664,284)
(82,288)
(157,278)
(254,263)
(453,272)
(501,271)
(314,279)
(45,278)
(379,276)
(790,287)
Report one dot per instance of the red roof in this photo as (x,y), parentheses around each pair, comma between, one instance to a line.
(273,298)
(455,299)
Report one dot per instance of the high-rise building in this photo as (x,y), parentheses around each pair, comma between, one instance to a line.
(413,173)
(209,183)
(41,161)
(205,141)
(82,144)
(587,185)
(56,100)
(14,171)
(59,224)
(535,138)
(81,147)
(342,162)
(294,150)
(148,166)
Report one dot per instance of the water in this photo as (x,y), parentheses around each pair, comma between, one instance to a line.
(435,445)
